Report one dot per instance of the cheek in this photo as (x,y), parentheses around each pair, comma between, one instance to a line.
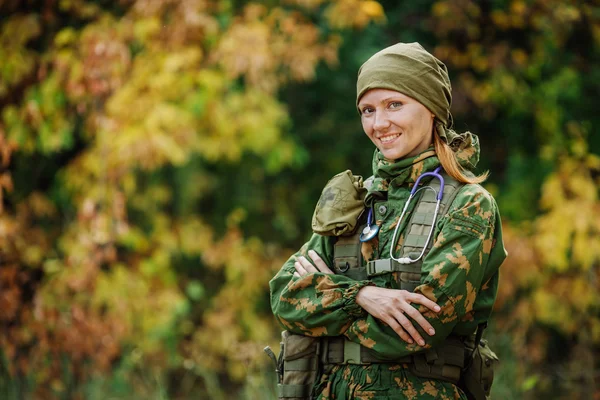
(420,126)
(405,119)
(427,126)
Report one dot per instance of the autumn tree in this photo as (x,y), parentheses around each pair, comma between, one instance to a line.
(160,159)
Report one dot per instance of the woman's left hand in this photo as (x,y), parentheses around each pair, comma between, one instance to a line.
(304,266)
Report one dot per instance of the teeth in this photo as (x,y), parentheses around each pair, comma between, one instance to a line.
(389,138)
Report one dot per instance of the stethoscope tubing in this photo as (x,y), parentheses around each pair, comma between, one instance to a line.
(413,192)
(371,230)
(435,174)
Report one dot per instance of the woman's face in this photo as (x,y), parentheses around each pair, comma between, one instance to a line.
(397,124)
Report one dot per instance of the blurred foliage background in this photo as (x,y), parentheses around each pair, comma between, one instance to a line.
(160,159)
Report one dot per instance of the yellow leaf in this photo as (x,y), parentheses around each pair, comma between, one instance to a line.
(372,9)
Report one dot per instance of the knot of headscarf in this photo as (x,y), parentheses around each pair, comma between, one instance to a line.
(465,145)
(409,69)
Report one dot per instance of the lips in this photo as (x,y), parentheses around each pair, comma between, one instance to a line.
(388,138)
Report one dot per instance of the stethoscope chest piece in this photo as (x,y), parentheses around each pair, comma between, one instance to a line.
(371,230)
(369,233)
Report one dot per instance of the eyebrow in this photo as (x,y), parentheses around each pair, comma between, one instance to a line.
(394,97)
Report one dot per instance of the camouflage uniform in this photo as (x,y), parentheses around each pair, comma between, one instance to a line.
(460,274)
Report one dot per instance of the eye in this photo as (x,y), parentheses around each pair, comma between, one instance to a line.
(366,110)
(395,104)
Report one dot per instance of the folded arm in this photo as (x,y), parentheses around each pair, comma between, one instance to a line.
(452,275)
(315,303)
(385,304)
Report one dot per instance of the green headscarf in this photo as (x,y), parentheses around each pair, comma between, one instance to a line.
(409,69)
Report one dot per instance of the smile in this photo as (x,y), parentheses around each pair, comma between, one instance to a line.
(389,138)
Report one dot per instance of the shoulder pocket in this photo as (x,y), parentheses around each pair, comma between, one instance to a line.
(468,226)
(340,205)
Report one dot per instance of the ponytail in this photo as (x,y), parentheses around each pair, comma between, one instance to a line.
(450,164)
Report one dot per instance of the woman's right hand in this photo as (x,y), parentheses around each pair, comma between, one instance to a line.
(391,305)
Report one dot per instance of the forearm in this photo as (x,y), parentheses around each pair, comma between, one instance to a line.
(315,304)
(375,334)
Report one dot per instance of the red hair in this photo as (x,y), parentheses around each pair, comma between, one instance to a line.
(450,164)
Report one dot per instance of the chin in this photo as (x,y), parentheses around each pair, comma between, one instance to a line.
(393,154)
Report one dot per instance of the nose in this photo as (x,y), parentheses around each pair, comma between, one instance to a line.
(382,122)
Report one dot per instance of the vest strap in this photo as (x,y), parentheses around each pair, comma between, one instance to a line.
(445,361)
(339,350)
(386,265)
(300,364)
(382,266)
(285,391)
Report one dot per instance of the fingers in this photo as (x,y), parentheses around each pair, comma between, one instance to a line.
(408,327)
(418,317)
(393,307)
(303,266)
(391,321)
(319,263)
(300,269)
(405,329)
(420,299)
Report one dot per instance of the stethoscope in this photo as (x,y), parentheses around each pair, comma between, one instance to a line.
(371,230)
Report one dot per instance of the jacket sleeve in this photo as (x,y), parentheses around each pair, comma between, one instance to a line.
(315,304)
(452,274)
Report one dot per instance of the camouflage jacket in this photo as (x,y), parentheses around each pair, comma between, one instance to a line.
(460,273)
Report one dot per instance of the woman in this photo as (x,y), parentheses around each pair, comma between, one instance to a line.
(403,98)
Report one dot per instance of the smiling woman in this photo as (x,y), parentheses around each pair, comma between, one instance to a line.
(380,321)
(396,124)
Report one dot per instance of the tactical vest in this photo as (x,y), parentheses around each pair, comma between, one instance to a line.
(347,257)
(443,362)
(463,361)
